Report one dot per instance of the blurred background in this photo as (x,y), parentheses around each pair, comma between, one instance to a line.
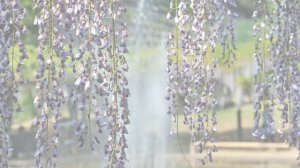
(150,145)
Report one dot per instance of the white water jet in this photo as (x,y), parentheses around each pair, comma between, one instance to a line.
(148,130)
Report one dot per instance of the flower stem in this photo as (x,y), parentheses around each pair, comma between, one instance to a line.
(115,87)
(90,80)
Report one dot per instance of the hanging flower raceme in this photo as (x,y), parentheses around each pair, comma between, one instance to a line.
(118,111)
(54,24)
(12,56)
(101,88)
(264,100)
(277,84)
(91,83)
(191,62)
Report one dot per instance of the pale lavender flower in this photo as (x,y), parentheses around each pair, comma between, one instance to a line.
(191,61)
(11,32)
(277,78)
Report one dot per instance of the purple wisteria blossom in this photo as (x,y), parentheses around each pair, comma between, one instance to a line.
(277,79)
(12,56)
(191,62)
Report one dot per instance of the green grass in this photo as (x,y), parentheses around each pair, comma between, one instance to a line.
(227,119)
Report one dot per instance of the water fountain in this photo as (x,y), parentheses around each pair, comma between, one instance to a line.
(148,129)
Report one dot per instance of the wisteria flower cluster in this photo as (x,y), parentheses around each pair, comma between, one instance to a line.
(101,87)
(100,90)
(277,78)
(12,56)
(88,38)
(53,22)
(98,29)
(200,26)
